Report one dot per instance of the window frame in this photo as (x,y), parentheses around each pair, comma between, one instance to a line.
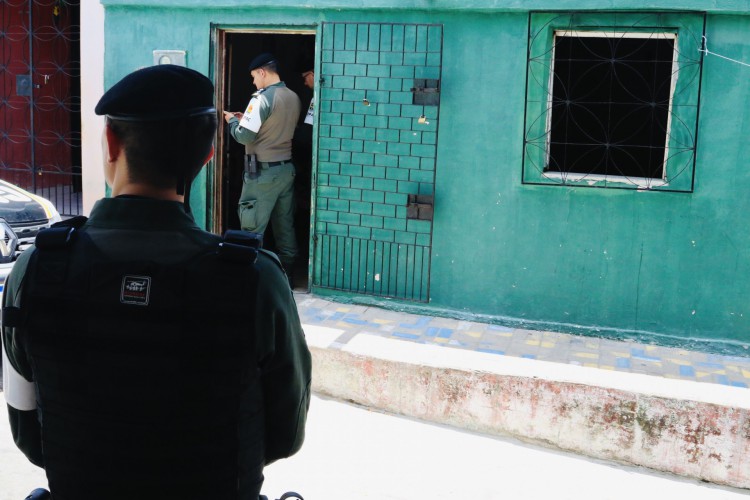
(682,120)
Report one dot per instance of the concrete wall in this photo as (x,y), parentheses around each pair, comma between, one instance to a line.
(663,266)
(689,429)
(92,88)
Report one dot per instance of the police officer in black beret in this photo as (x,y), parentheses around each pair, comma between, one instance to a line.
(146,358)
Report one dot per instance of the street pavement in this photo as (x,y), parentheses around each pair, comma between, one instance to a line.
(355,453)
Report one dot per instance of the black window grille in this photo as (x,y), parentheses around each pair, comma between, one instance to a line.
(610,105)
(612,99)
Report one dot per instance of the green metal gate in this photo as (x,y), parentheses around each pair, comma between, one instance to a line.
(377,141)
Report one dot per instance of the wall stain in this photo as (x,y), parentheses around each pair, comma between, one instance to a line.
(695,437)
(653,428)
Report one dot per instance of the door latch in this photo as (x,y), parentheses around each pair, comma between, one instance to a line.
(419,206)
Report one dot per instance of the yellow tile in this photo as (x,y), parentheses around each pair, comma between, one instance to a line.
(548,345)
(532,342)
(476,335)
(720,372)
(746,373)
(606,367)
(501,334)
(587,355)
(732,368)
(702,374)
(343,309)
(440,340)
(621,354)
(591,365)
(381,321)
(651,348)
(592,346)
(681,362)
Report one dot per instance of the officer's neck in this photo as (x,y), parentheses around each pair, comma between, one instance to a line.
(123,185)
(271,80)
(147,191)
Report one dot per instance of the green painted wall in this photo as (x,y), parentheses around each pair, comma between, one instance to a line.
(671,267)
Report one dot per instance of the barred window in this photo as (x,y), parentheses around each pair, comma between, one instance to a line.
(612,106)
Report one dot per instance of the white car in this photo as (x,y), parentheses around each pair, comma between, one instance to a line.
(22,216)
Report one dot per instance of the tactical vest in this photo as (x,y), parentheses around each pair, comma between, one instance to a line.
(146,374)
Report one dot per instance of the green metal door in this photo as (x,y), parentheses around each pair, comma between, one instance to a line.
(377,143)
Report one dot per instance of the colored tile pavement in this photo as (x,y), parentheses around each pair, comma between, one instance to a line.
(555,347)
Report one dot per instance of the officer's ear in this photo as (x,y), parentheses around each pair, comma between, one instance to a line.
(112,144)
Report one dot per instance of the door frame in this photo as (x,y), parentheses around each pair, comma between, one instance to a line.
(215,194)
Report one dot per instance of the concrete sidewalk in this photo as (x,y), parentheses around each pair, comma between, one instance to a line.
(355,453)
(672,410)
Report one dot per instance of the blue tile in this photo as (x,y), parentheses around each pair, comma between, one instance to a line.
(336,316)
(722,379)
(528,356)
(420,323)
(687,371)
(405,335)
(641,354)
(431,331)
(623,362)
(445,333)
(355,321)
(739,384)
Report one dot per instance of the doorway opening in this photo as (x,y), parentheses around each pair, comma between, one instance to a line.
(295,52)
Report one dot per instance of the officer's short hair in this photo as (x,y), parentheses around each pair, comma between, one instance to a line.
(165,117)
(265,61)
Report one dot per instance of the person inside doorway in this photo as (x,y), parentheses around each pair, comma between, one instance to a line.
(266,129)
(302,151)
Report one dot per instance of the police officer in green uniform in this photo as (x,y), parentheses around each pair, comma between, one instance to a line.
(144,358)
(266,129)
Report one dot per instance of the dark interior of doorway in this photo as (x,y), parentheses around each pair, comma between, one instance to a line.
(295,53)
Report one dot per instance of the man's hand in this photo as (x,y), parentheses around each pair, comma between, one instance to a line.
(228,115)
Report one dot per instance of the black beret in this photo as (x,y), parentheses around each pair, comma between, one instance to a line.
(162,92)
(262,60)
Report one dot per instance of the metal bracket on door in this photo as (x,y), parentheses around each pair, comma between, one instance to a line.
(426,92)
(419,207)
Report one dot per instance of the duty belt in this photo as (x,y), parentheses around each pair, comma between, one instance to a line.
(269,164)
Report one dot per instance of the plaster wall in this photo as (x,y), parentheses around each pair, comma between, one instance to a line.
(92,87)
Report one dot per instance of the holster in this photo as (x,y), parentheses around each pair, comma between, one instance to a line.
(251,166)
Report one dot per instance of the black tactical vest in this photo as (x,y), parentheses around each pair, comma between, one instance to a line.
(146,374)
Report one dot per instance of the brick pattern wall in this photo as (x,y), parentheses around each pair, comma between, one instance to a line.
(375,149)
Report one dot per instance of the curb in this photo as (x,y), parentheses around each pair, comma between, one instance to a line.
(686,428)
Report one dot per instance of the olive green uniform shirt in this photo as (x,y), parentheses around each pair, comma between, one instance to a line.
(273,113)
